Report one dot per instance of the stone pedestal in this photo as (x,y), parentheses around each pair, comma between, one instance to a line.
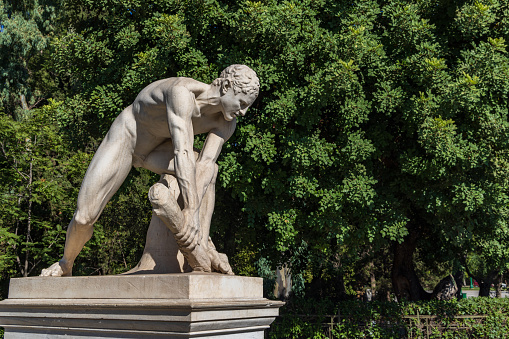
(185,305)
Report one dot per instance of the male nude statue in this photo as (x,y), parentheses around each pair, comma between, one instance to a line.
(157,132)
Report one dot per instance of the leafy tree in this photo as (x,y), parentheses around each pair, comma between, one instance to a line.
(34,185)
(25,79)
(287,176)
(380,126)
(449,119)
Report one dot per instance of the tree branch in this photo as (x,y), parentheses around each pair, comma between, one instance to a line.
(36,103)
(15,166)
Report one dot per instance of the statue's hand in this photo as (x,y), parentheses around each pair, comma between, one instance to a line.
(190,235)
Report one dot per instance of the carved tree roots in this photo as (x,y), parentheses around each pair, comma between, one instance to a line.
(199,257)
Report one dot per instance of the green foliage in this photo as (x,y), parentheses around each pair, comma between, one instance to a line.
(34,185)
(39,181)
(24,78)
(370,113)
(376,120)
(355,319)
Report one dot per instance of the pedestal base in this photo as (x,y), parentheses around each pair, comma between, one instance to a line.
(150,306)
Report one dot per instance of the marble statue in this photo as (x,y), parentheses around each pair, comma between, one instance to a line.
(157,132)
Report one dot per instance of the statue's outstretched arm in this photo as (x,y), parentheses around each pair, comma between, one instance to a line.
(206,163)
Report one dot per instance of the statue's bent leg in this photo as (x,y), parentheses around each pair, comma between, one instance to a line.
(168,210)
(106,172)
(219,261)
(160,160)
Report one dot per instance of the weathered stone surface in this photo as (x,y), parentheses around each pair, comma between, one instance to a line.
(150,286)
(157,132)
(186,305)
(161,254)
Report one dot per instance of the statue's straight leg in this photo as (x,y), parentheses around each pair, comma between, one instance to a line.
(107,171)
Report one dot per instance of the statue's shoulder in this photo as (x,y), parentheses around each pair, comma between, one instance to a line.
(163,87)
(166,83)
(178,84)
(157,87)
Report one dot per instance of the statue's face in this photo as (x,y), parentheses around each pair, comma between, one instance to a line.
(234,105)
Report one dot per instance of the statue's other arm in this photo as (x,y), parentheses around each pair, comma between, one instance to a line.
(205,166)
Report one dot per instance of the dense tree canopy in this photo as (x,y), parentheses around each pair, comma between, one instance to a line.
(381,129)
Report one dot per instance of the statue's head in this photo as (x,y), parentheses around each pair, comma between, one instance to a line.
(242,79)
(239,88)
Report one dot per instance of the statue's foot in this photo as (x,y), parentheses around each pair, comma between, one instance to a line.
(58,269)
(197,258)
(220,262)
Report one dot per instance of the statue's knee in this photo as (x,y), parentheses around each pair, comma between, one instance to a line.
(83,221)
(138,161)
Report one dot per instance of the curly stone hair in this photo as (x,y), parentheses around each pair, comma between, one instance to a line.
(242,78)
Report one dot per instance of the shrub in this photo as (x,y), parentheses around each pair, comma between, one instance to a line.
(469,318)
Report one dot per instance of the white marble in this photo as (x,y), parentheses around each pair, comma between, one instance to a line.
(157,132)
(139,306)
(152,286)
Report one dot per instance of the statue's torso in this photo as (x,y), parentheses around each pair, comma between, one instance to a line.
(150,109)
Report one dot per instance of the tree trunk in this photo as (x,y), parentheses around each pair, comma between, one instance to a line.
(372,278)
(15,246)
(459,277)
(338,281)
(484,289)
(498,285)
(29,219)
(446,289)
(405,282)
(485,283)
(23,102)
